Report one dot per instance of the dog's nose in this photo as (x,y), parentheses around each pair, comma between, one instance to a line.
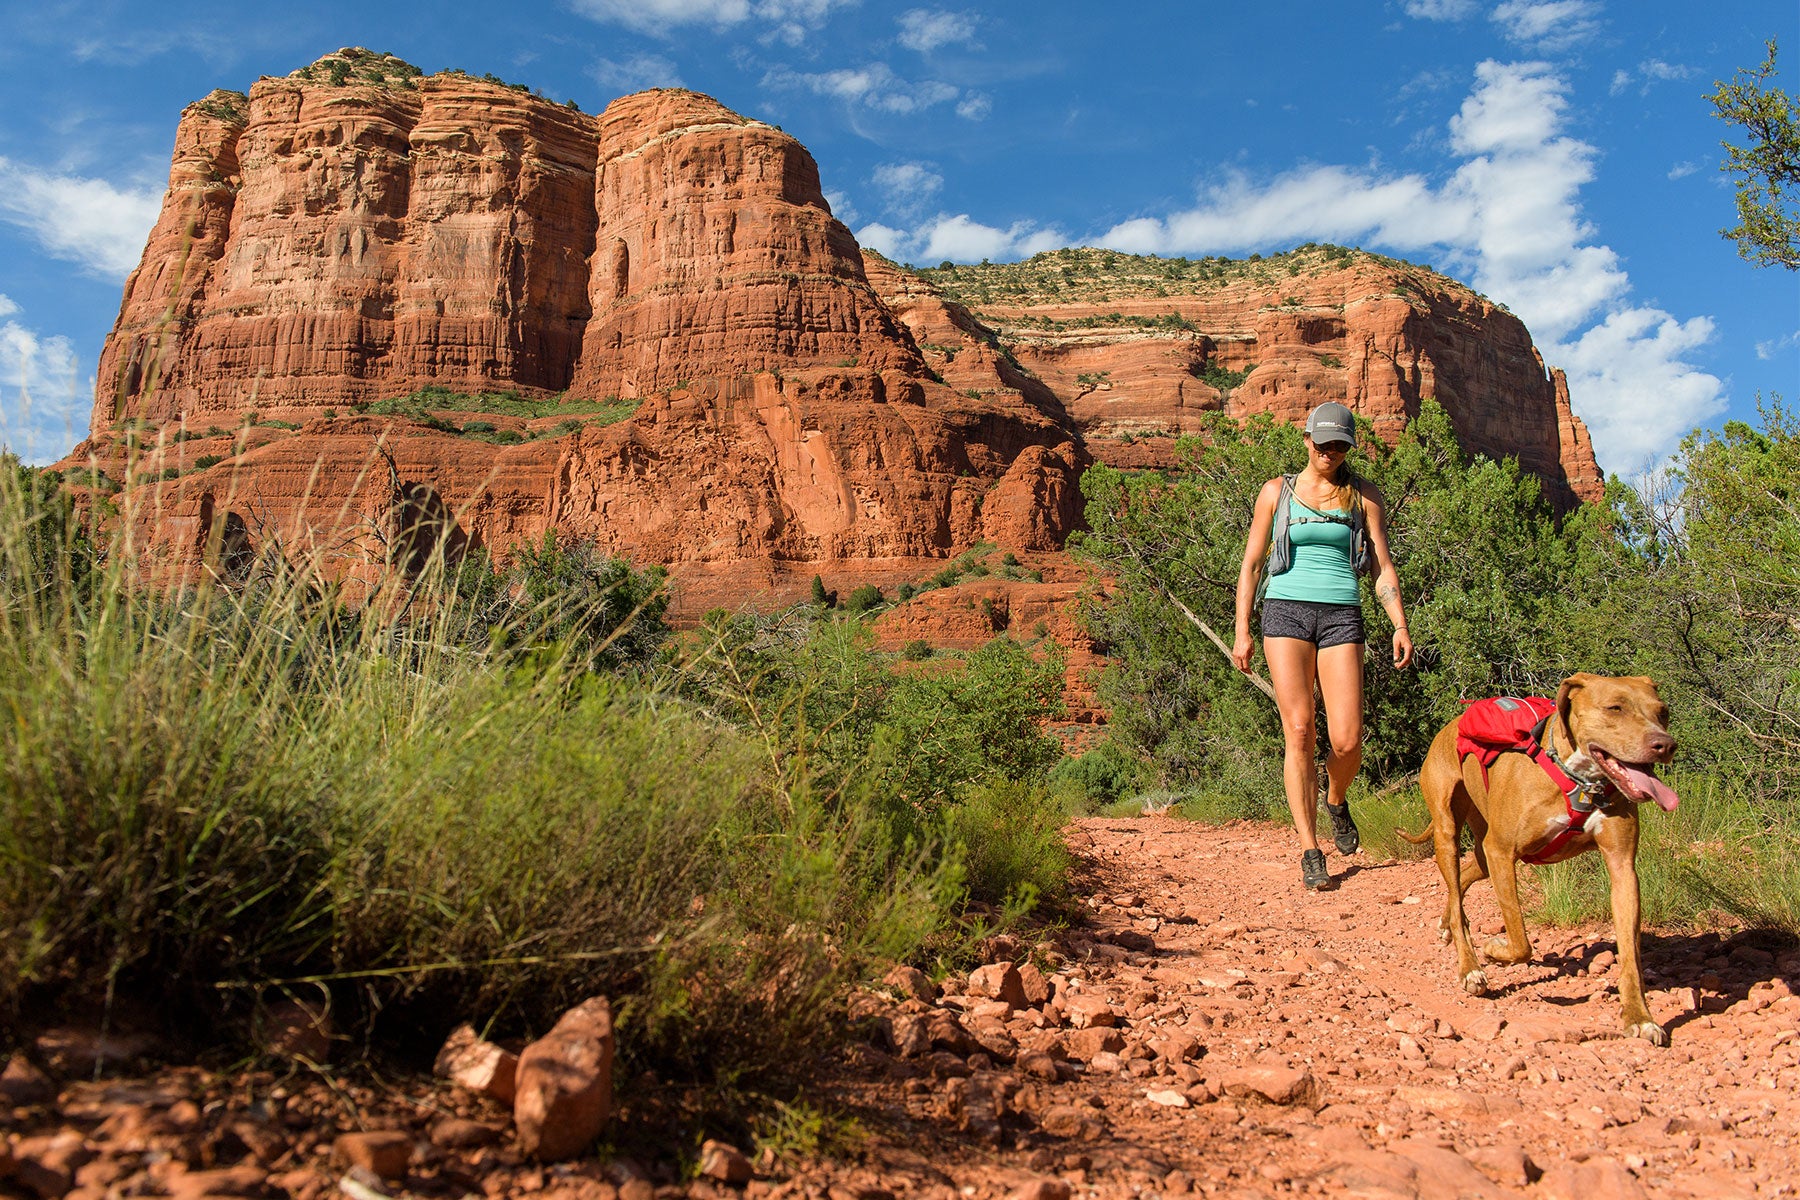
(1660,745)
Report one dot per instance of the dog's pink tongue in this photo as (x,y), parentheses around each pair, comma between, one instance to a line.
(1651,786)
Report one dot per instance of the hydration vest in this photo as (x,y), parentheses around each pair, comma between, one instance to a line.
(1281,547)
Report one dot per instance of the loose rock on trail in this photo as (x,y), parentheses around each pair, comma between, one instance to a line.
(1209,1028)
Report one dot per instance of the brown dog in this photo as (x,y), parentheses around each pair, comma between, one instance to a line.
(1605,728)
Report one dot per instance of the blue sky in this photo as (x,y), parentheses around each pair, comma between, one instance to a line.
(1557,155)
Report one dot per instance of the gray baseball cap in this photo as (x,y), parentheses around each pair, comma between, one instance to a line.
(1331,422)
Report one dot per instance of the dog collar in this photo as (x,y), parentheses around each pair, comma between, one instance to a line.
(1585,793)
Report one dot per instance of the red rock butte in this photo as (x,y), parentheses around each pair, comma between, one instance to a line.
(647,328)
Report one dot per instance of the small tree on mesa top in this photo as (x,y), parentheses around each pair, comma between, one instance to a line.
(1767,169)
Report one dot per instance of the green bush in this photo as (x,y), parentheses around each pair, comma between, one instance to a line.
(1009,834)
(1104,775)
(916,650)
(863,599)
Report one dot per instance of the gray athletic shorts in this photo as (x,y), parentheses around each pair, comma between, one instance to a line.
(1324,625)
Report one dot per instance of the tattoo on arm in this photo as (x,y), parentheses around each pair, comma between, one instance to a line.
(1387,593)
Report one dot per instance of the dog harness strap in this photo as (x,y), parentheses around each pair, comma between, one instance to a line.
(1520,725)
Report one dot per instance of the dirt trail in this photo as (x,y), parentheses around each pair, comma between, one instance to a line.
(1140,1061)
(1416,1090)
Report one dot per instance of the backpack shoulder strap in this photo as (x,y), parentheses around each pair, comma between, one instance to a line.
(1280,555)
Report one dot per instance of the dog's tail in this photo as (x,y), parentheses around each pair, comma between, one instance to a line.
(1417,839)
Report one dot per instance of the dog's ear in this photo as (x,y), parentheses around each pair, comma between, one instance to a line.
(1565,696)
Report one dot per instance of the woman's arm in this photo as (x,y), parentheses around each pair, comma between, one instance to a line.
(1256,545)
(1387,579)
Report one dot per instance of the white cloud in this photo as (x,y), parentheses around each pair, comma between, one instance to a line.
(1630,384)
(975,106)
(1440,10)
(961,239)
(874,86)
(840,206)
(1682,170)
(926,29)
(43,404)
(1548,25)
(86,221)
(636,73)
(789,20)
(907,187)
(1509,217)
(1764,350)
(1651,71)
(886,239)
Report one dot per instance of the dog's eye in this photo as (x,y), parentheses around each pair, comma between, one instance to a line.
(1615,708)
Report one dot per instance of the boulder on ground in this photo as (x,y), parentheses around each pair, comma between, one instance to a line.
(564,1083)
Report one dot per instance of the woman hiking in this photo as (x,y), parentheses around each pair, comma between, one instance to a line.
(1312,622)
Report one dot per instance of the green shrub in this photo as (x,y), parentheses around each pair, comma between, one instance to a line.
(1009,834)
(916,650)
(478,427)
(208,460)
(1104,775)
(863,598)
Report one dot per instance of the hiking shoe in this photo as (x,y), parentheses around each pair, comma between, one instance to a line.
(1343,829)
(1313,873)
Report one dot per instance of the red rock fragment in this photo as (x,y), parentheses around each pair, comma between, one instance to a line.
(725,1163)
(565,1083)
(1033,984)
(384,1153)
(1507,1164)
(1595,1179)
(911,983)
(478,1066)
(998,981)
(1277,1085)
(1087,1011)
(458,1133)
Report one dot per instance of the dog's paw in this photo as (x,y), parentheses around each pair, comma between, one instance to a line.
(1475,983)
(1650,1031)
(1443,933)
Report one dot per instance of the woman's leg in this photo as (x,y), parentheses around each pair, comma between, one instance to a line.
(1340,671)
(1292,672)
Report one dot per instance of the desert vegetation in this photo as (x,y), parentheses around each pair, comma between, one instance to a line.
(1694,582)
(1090,275)
(485,790)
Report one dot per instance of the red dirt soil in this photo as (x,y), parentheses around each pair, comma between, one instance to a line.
(1219,976)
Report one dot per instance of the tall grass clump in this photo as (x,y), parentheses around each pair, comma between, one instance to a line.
(447,801)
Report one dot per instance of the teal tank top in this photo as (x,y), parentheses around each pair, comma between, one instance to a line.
(1321,572)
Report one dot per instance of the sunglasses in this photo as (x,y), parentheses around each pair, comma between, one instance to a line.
(1332,447)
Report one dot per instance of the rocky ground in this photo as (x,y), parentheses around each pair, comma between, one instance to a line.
(1211,1028)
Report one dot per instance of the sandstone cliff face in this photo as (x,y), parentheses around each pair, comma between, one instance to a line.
(801,408)
(1151,354)
(717,255)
